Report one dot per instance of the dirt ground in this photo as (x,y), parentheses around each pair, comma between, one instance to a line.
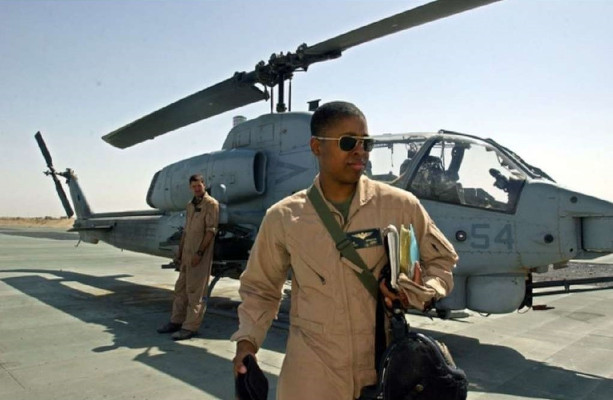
(577,271)
(48,222)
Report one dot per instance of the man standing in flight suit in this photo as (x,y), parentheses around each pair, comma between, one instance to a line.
(195,258)
(331,345)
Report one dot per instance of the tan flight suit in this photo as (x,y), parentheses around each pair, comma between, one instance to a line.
(188,308)
(330,349)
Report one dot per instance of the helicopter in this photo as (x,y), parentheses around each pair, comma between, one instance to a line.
(506,218)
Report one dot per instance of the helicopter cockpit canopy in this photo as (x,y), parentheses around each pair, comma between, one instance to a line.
(451,168)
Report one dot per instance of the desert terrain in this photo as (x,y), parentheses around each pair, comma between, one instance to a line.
(48,222)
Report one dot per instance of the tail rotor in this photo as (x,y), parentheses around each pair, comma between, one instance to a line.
(58,185)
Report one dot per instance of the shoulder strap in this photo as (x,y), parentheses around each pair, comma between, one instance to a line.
(344,245)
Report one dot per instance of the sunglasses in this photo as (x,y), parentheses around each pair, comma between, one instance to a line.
(348,143)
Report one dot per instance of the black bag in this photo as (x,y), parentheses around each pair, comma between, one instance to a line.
(252,385)
(416,367)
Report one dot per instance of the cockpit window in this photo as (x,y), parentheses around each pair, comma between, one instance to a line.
(458,170)
(468,173)
(392,157)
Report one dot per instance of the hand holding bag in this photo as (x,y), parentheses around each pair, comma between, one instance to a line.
(419,296)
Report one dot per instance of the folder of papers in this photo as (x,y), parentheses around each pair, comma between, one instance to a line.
(403,251)
(393,243)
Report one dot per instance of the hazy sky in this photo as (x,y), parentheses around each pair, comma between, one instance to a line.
(534,75)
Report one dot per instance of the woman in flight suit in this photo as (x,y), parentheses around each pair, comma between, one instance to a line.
(330,348)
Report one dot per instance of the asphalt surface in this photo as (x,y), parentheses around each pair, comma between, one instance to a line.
(79,323)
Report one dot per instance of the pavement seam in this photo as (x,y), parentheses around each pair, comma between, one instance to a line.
(11,375)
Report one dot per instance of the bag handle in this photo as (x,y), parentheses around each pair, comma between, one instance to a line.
(344,245)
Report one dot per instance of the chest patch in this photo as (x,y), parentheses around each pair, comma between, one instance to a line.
(365,238)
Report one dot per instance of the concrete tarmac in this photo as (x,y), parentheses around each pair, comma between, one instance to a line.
(79,323)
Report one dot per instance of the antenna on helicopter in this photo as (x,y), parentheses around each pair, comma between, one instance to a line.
(313,104)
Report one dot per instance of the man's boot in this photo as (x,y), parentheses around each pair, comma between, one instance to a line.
(183,334)
(169,327)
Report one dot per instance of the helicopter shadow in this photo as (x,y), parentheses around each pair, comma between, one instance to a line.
(130,313)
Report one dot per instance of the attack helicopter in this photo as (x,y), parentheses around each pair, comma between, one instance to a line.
(507,219)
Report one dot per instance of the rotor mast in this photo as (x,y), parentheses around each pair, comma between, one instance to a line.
(280,68)
(280,104)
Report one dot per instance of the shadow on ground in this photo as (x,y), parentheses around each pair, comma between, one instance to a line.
(130,312)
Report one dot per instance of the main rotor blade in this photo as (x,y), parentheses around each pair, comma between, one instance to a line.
(224,96)
(63,198)
(43,149)
(399,22)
